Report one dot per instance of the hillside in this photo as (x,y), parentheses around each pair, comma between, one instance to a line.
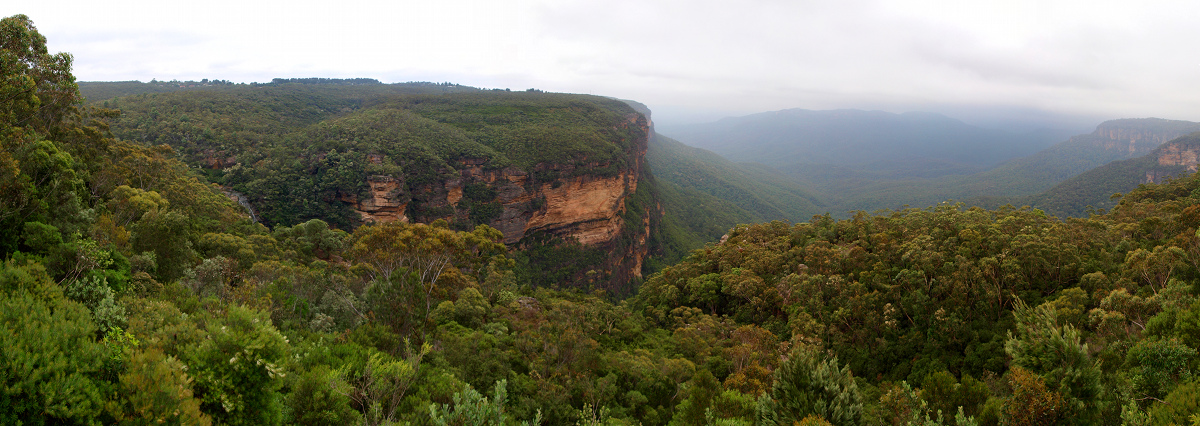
(1111,141)
(703,195)
(542,168)
(1094,188)
(555,173)
(866,160)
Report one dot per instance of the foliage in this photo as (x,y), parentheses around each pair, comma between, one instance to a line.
(808,384)
(1032,402)
(471,408)
(320,398)
(156,390)
(50,362)
(1179,407)
(379,384)
(238,367)
(1040,346)
(415,264)
(1158,365)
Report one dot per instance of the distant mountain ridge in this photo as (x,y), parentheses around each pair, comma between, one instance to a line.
(702,194)
(883,163)
(856,137)
(1139,135)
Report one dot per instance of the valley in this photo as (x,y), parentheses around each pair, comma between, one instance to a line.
(918,160)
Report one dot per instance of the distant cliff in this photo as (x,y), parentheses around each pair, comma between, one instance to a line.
(1112,140)
(580,202)
(1133,137)
(1171,157)
(1095,187)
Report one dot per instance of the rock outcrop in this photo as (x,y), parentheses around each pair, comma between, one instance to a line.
(383,202)
(1134,137)
(1181,155)
(585,202)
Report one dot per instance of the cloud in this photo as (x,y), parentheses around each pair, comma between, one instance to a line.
(1101,57)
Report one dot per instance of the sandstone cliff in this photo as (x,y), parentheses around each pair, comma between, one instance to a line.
(1181,155)
(1134,137)
(585,203)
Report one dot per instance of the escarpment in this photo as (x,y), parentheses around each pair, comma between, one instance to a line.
(581,202)
(382,203)
(1179,154)
(1133,137)
(562,176)
(1174,158)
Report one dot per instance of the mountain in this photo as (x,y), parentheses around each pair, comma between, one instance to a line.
(132,288)
(560,175)
(855,137)
(916,161)
(1094,188)
(866,160)
(702,195)
(566,178)
(1009,183)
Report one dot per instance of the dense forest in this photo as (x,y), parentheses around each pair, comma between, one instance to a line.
(133,291)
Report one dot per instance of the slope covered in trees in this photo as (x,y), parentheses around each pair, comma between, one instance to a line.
(1094,189)
(704,195)
(298,151)
(1007,309)
(884,185)
(544,168)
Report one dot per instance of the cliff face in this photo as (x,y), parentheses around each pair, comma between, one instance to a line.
(585,202)
(384,201)
(1133,137)
(1178,156)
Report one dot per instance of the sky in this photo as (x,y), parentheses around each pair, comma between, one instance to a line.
(1013,62)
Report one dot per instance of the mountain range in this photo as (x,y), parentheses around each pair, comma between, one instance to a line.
(871,160)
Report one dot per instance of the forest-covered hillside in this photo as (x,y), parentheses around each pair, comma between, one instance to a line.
(704,195)
(545,169)
(302,149)
(1095,188)
(133,291)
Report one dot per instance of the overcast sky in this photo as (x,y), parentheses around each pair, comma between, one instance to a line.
(686,59)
